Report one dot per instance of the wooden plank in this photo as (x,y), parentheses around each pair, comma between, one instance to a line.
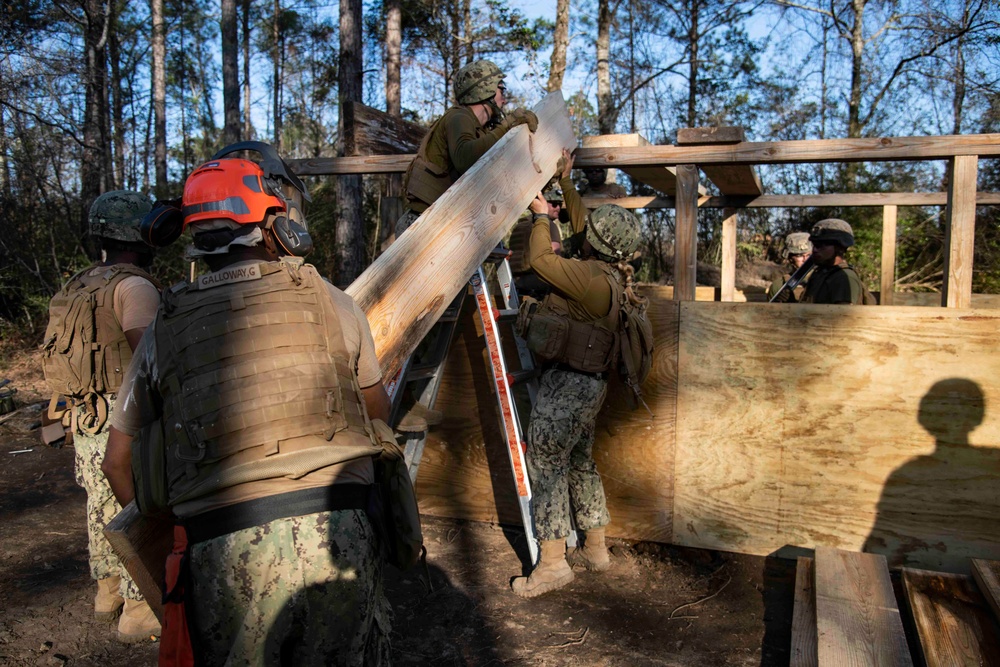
(860,199)
(857,620)
(378,133)
(142,544)
(960,232)
(465,474)
(662,179)
(686,233)
(728,255)
(933,300)
(868,149)
(406,289)
(987,576)
(819,438)
(888,255)
(954,623)
(804,642)
(731,180)
(360,164)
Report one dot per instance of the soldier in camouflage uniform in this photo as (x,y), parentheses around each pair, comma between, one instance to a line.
(460,137)
(574,332)
(270,443)
(125,299)
(797,249)
(834,280)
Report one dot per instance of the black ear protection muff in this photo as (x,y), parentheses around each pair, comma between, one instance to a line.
(162,225)
(289,226)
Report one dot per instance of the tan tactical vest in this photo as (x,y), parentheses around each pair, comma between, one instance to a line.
(256,379)
(85,353)
(591,347)
(427,179)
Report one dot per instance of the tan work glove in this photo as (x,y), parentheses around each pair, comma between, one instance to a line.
(520,116)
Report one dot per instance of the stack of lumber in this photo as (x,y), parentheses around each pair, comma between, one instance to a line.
(846,613)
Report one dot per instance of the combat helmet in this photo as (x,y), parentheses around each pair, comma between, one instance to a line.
(798,243)
(833,229)
(613,232)
(477,82)
(118,214)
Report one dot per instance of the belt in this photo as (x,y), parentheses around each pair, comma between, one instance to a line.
(257,512)
(600,375)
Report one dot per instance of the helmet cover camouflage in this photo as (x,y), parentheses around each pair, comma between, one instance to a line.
(833,229)
(798,243)
(613,231)
(477,82)
(117,215)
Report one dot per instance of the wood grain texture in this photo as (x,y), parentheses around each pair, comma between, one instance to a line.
(804,643)
(987,576)
(662,179)
(960,232)
(686,233)
(406,289)
(933,300)
(363,164)
(857,620)
(142,544)
(378,133)
(888,275)
(731,180)
(873,149)
(861,199)
(954,623)
(465,473)
(843,426)
(728,287)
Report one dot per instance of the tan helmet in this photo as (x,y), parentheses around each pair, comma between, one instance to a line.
(477,82)
(833,229)
(118,214)
(798,243)
(612,231)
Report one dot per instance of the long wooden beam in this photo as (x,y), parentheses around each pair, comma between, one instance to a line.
(686,233)
(730,179)
(888,278)
(800,201)
(960,232)
(728,283)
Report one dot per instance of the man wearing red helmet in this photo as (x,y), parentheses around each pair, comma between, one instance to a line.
(258,390)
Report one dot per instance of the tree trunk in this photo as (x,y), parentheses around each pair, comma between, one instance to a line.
(692,102)
(276,56)
(230,73)
(857,61)
(350,230)
(958,99)
(92,176)
(467,31)
(560,45)
(117,143)
(393,57)
(159,96)
(605,104)
(247,126)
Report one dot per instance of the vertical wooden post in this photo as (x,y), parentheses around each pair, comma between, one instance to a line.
(888,284)
(960,231)
(728,291)
(686,233)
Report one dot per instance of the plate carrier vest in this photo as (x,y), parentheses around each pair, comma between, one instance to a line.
(425,180)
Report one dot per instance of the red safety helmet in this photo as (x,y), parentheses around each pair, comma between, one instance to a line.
(230,188)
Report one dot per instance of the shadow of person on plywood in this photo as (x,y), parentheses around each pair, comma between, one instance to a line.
(939,509)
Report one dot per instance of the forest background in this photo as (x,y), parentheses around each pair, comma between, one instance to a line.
(99,95)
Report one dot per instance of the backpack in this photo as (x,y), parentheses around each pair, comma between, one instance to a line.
(636,347)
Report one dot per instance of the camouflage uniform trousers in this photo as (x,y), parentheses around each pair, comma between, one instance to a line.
(560,463)
(101,507)
(303,590)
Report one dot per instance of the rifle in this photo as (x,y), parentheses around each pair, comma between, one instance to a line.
(795,279)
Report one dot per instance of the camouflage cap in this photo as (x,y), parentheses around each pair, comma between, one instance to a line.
(613,231)
(833,229)
(117,215)
(798,243)
(477,82)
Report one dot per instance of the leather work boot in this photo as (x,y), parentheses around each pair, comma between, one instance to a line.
(107,602)
(594,553)
(419,418)
(552,571)
(138,623)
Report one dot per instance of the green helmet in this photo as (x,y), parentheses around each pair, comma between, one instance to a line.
(613,231)
(477,82)
(798,243)
(116,215)
(833,229)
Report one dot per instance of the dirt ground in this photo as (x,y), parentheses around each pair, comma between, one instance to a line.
(658,605)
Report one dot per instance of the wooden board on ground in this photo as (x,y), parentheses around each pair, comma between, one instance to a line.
(142,544)
(803,653)
(955,625)
(730,179)
(464,472)
(406,289)
(855,427)
(987,575)
(857,620)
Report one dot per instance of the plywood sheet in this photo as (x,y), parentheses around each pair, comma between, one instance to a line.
(142,544)
(855,427)
(465,473)
(955,625)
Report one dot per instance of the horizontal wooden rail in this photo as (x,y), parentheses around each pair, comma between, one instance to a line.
(800,201)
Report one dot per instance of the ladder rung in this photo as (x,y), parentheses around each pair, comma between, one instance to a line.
(517,377)
(506,315)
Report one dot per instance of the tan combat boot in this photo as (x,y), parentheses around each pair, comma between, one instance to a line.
(138,623)
(594,553)
(552,571)
(107,602)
